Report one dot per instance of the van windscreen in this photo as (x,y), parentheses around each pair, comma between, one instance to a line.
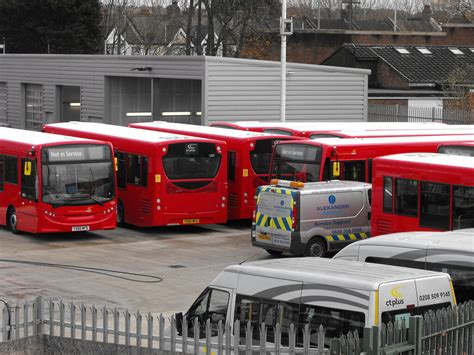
(185,162)
(296,162)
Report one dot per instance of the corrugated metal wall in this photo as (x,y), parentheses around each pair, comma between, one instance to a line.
(88,72)
(232,89)
(250,90)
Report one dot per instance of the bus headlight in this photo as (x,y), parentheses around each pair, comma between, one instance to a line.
(222,205)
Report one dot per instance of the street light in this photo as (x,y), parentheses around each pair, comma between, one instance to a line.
(286,29)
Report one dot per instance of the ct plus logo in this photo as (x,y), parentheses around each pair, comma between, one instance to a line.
(332,199)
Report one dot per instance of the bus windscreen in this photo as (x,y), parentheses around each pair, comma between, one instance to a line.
(77,175)
(261,156)
(296,162)
(457,150)
(185,162)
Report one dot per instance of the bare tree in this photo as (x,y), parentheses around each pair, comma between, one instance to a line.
(458,85)
(115,23)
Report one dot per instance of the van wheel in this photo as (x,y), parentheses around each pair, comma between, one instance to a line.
(120,215)
(274,252)
(316,248)
(12,221)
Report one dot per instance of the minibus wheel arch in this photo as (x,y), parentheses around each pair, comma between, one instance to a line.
(316,247)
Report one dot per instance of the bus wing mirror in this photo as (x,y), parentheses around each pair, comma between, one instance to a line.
(27,168)
(336,169)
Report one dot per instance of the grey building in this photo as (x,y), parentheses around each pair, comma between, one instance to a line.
(37,89)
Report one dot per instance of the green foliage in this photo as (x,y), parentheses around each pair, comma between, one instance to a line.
(66,26)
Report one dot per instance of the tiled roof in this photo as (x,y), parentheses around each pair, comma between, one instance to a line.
(416,67)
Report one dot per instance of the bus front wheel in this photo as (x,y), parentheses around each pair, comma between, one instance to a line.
(12,221)
(120,215)
(316,248)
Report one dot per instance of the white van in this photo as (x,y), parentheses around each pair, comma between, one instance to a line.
(451,252)
(310,218)
(341,295)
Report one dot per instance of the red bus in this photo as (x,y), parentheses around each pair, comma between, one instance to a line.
(345,159)
(163,179)
(324,129)
(462,148)
(448,131)
(51,183)
(249,155)
(422,192)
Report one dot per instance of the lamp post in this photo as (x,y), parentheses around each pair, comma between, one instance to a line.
(286,29)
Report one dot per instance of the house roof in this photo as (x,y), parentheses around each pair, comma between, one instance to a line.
(425,69)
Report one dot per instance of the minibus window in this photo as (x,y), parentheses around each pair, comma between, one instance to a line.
(463,213)
(271,312)
(211,304)
(406,202)
(398,315)
(434,210)
(336,322)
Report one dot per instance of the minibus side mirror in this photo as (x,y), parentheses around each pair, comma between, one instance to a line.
(179,322)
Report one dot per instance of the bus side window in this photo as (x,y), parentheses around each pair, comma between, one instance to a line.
(137,170)
(231,166)
(326,171)
(2,171)
(11,169)
(121,169)
(29,180)
(387,194)
(434,205)
(369,170)
(406,202)
(463,200)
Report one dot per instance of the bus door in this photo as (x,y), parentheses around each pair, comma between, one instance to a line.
(138,201)
(26,211)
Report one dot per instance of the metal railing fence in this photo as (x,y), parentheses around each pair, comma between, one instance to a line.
(446,331)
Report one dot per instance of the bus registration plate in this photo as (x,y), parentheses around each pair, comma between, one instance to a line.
(191,221)
(80,228)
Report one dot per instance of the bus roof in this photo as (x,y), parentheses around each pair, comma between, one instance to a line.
(356,142)
(214,131)
(441,160)
(331,124)
(334,272)
(107,130)
(401,133)
(458,240)
(458,144)
(38,138)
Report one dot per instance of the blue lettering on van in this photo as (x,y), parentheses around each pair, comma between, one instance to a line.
(334,207)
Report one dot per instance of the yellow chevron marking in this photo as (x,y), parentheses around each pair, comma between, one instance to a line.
(352,236)
(363,235)
(330,238)
(340,236)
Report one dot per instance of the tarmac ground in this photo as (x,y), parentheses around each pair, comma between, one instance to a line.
(179,263)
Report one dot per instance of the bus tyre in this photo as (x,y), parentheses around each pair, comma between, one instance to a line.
(316,248)
(12,221)
(274,252)
(120,215)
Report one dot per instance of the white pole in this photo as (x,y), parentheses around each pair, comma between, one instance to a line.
(283,65)
(394,19)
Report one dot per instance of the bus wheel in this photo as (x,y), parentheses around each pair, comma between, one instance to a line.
(316,248)
(120,215)
(12,221)
(274,252)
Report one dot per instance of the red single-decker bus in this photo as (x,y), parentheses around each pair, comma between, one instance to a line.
(422,192)
(51,183)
